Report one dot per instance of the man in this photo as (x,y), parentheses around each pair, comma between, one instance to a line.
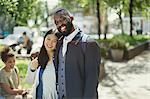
(77,60)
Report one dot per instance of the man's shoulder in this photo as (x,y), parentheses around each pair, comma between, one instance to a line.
(92,42)
(87,38)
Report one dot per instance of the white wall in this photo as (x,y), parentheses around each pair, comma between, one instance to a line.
(137,21)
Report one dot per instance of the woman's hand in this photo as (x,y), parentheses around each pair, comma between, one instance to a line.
(34,63)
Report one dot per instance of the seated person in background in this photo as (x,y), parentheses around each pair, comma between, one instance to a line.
(9,80)
(27,43)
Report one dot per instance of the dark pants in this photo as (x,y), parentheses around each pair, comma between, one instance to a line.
(64,97)
(28,51)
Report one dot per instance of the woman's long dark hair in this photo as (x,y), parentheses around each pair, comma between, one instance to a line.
(43,55)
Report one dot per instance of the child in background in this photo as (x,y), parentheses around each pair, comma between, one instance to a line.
(9,79)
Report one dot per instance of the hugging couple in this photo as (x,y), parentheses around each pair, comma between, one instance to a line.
(67,66)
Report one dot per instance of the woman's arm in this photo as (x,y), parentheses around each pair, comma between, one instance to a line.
(32,70)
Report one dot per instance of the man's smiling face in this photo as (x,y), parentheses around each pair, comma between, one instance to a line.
(63,24)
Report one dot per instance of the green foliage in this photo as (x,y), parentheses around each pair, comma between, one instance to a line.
(73,5)
(104,47)
(123,41)
(1,47)
(126,41)
(18,12)
(1,64)
(139,6)
(142,38)
(29,9)
(103,40)
(87,7)
(117,43)
(22,66)
(8,7)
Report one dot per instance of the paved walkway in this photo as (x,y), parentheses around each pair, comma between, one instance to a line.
(127,80)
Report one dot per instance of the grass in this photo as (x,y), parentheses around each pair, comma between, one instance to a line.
(22,65)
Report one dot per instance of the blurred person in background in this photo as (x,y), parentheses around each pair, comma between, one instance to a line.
(27,43)
(9,78)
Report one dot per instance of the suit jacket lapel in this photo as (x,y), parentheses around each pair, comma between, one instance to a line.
(56,55)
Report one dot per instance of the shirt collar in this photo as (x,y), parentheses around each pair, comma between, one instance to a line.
(72,35)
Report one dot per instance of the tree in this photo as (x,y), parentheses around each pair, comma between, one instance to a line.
(38,12)
(136,8)
(27,9)
(98,17)
(141,7)
(119,6)
(18,12)
(131,13)
(88,7)
(8,10)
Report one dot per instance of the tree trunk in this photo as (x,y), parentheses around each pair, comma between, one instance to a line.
(121,22)
(131,12)
(47,12)
(94,6)
(98,17)
(106,26)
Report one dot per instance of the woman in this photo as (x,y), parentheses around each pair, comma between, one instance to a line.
(41,70)
(9,79)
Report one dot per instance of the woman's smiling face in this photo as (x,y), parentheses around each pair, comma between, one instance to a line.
(50,42)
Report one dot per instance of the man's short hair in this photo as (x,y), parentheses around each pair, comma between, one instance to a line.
(61,11)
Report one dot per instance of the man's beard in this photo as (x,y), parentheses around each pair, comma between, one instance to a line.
(69,27)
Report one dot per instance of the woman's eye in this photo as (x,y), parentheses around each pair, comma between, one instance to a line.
(48,39)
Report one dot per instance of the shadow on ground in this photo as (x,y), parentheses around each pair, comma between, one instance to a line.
(123,80)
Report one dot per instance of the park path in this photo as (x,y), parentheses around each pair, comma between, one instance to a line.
(127,80)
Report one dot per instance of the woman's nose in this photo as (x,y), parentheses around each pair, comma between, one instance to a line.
(50,42)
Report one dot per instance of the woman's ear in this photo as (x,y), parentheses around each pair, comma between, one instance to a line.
(71,17)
